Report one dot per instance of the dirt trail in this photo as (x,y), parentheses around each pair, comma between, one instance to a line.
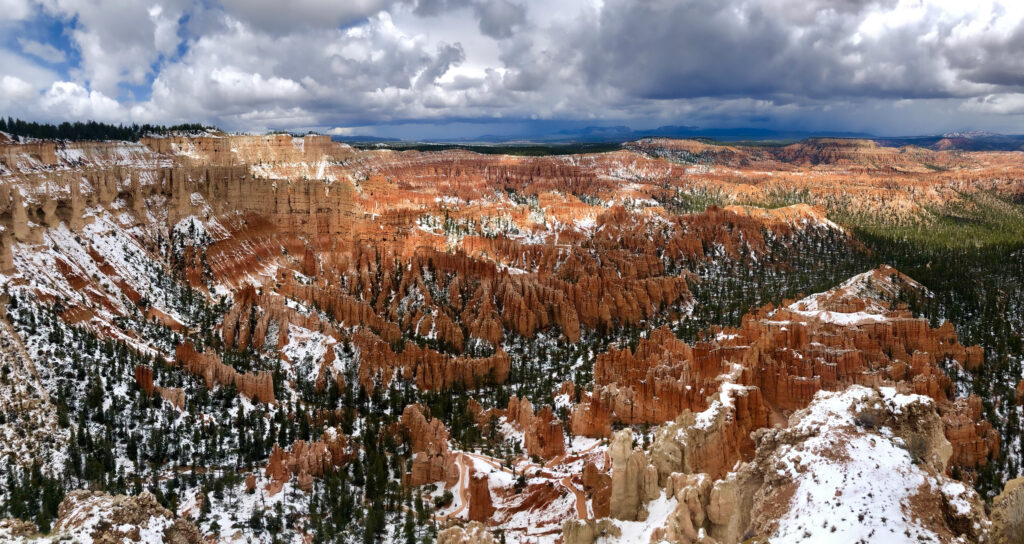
(489,461)
(581,500)
(463,488)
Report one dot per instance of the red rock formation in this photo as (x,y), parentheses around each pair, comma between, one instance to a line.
(144,377)
(308,459)
(259,387)
(428,368)
(432,460)
(240,330)
(598,486)
(787,355)
(369,261)
(481,507)
(974,439)
(542,433)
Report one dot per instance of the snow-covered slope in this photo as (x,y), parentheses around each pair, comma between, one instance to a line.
(860,465)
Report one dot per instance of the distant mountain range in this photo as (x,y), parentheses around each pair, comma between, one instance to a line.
(619,134)
(623,134)
(968,141)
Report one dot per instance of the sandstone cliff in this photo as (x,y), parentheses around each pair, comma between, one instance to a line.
(1008,513)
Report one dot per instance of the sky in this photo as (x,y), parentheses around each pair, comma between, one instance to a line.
(463,68)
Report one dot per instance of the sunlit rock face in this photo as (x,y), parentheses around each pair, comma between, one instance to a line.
(290,295)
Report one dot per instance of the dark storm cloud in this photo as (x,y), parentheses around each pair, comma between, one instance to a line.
(703,48)
(499,17)
(285,17)
(995,60)
(433,8)
(447,56)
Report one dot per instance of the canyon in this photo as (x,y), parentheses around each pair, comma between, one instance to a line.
(261,337)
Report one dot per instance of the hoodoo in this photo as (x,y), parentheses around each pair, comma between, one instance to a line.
(265,337)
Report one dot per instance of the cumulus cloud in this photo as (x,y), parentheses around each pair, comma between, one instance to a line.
(14,10)
(119,41)
(1001,104)
(66,98)
(252,64)
(447,56)
(43,51)
(14,89)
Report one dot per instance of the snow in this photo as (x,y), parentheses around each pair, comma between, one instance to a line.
(232,513)
(954,493)
(874,286)
(840,318)
(581,444)
(562,401)
(852,486)
(707,418)
(723,401)
(897,401)
(191,230)
(306,350)
(586,224)
(641,531)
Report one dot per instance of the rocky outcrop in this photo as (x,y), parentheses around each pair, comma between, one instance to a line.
(634,481)
(713,441)
(817,465)
(253,317)
(259,387)
(579,531)
(173,395)
(6,251)
(781,357)
(776,494)
(144,377)
(306,460)
(43,151)
(693,495)
(1008,513)
(973,438)
(432,460)
(598,487)
(542,432)
(481,507)
(15,530)
(100,517)
(473,533)
(429,369)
